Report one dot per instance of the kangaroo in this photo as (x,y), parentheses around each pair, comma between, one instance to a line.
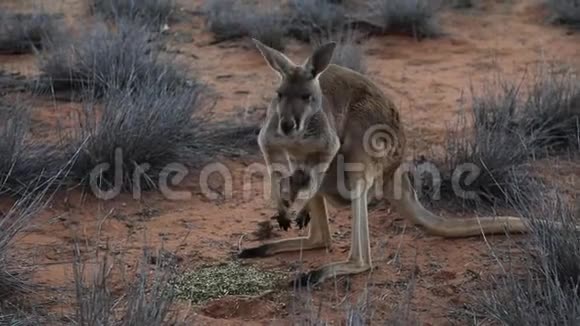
(330,132)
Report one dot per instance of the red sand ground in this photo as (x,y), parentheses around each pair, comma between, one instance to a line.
(426,79)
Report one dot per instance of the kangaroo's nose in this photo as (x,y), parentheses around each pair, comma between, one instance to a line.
(287,126)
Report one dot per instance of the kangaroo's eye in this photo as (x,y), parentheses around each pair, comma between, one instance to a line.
(307,97)
(279,95)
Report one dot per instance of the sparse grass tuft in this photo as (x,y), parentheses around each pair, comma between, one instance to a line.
(223,19)
(348,52)
(566,11)
(24,33)
(147,301)
(315,17)
(485,161)
(212,282)
(490,151)
(21,170)
(140,134)
(545,292)
(268,27)
(136,139)
(414,17)
(150,12)
(100,59)
(14,221)
(549,115)
(228,20)
(464,4)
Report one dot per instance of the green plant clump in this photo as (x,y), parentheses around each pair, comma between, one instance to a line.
(216,281)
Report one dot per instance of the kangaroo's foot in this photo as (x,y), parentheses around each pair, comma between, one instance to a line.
(303,219)
(316,276)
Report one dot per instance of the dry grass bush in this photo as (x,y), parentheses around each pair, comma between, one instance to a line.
(148,300)
(26,33)
(418,18)
(102,58)
(152,13)
(508,127)
(229,19)
(544,289)
(14,282)
(348,52)
(21,170)
(566,11)
(311,18)
(147,130)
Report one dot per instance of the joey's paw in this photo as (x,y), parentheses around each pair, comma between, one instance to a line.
(298,180)
(284,221)
(303,219)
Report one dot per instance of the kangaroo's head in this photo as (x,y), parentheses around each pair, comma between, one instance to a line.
(298,95)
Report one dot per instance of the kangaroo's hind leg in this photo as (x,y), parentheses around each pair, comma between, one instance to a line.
(359,259)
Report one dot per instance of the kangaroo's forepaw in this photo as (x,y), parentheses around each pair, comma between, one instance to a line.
(256,252)
(310,278)
(303,219)
(283,220)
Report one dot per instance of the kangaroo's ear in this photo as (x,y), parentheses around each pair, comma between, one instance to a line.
(275,59)
(320,59)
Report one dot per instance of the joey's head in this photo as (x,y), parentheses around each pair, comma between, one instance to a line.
(298,95)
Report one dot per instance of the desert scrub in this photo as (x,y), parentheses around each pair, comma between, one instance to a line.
(24,33)
(491,148)
(101,58)
(315,17)
(539,279)
(145,130)
(153,13)
(228,20)
(21,170)
(147,300)
(216,281)
(566,11)
(418,18)
(348,52)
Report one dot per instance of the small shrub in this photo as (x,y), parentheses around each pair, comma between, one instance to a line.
(348,52)
(414,17)
(269,27)
(546,291)
(485,163)
(21,170)
(224,19)
(12,82)
(464,4)
(549,114)
(12,222)
(133,138)
(508,127)
(149,12)
(228,20)
(100,59)
(147,129)
(315,17)
(23,33)
(148,299)
(566,11)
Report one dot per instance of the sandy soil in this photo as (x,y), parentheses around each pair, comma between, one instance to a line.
(426,79)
